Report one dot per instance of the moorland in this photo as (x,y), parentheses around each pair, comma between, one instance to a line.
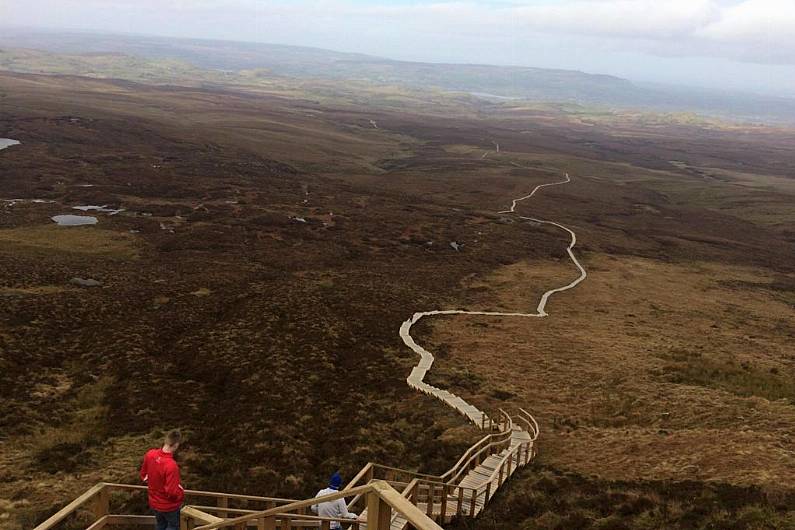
(276,233)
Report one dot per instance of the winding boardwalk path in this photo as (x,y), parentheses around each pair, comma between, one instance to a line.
(416,379)
(477,477)
(482,476)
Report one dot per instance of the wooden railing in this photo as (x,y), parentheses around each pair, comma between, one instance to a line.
(443,500)
(382,501)
(420,499)
(95,504)
(92,511)
(488,445)
(528,423)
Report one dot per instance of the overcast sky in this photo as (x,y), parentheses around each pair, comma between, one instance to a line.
(736,44)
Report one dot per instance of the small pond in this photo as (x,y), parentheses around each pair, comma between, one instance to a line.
(7,142)
(75,220)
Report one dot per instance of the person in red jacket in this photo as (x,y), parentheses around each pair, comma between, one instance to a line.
(161,474)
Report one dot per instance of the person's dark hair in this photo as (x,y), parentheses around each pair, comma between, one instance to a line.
(173,437)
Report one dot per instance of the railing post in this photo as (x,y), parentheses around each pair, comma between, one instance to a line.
(100,504)
(488,494)
(473,503)
(379,513)
(223,502)
(431,496)
(510,461)
(269,523)
(460,503)
(443,509)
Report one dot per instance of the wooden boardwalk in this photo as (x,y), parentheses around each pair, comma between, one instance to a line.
(488,475)
(479,478)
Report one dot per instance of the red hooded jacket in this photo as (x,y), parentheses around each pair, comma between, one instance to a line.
(161,474)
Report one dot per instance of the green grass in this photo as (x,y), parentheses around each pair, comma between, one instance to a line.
(108,65)
(740,378)
(42,240)
(65,448)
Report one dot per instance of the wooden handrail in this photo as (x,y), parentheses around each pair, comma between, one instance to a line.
(286,508)
(202,493)
(194,513)
(468,453)
(99,523)
(498,469)
(131,520)
(413,515)
(360,475)
(211,509)
(104,487)
(406,471)
(498,444)
(533,429)
(455,471)
(457,466)
(378,487)
(420,482)
(410,488)
(67,510)
(302,516)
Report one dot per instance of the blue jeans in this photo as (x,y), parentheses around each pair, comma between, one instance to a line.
(167,520)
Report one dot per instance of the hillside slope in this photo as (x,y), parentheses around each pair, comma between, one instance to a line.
(540,84)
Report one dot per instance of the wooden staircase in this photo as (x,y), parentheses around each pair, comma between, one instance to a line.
(386,497)
(485,476)
(467,487)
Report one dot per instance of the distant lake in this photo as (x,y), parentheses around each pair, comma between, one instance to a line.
(75,220)
(7,142)
(486,95)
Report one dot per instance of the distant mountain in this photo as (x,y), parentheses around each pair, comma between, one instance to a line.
(487,81)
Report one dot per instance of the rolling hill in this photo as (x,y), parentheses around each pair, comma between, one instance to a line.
(488,81)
